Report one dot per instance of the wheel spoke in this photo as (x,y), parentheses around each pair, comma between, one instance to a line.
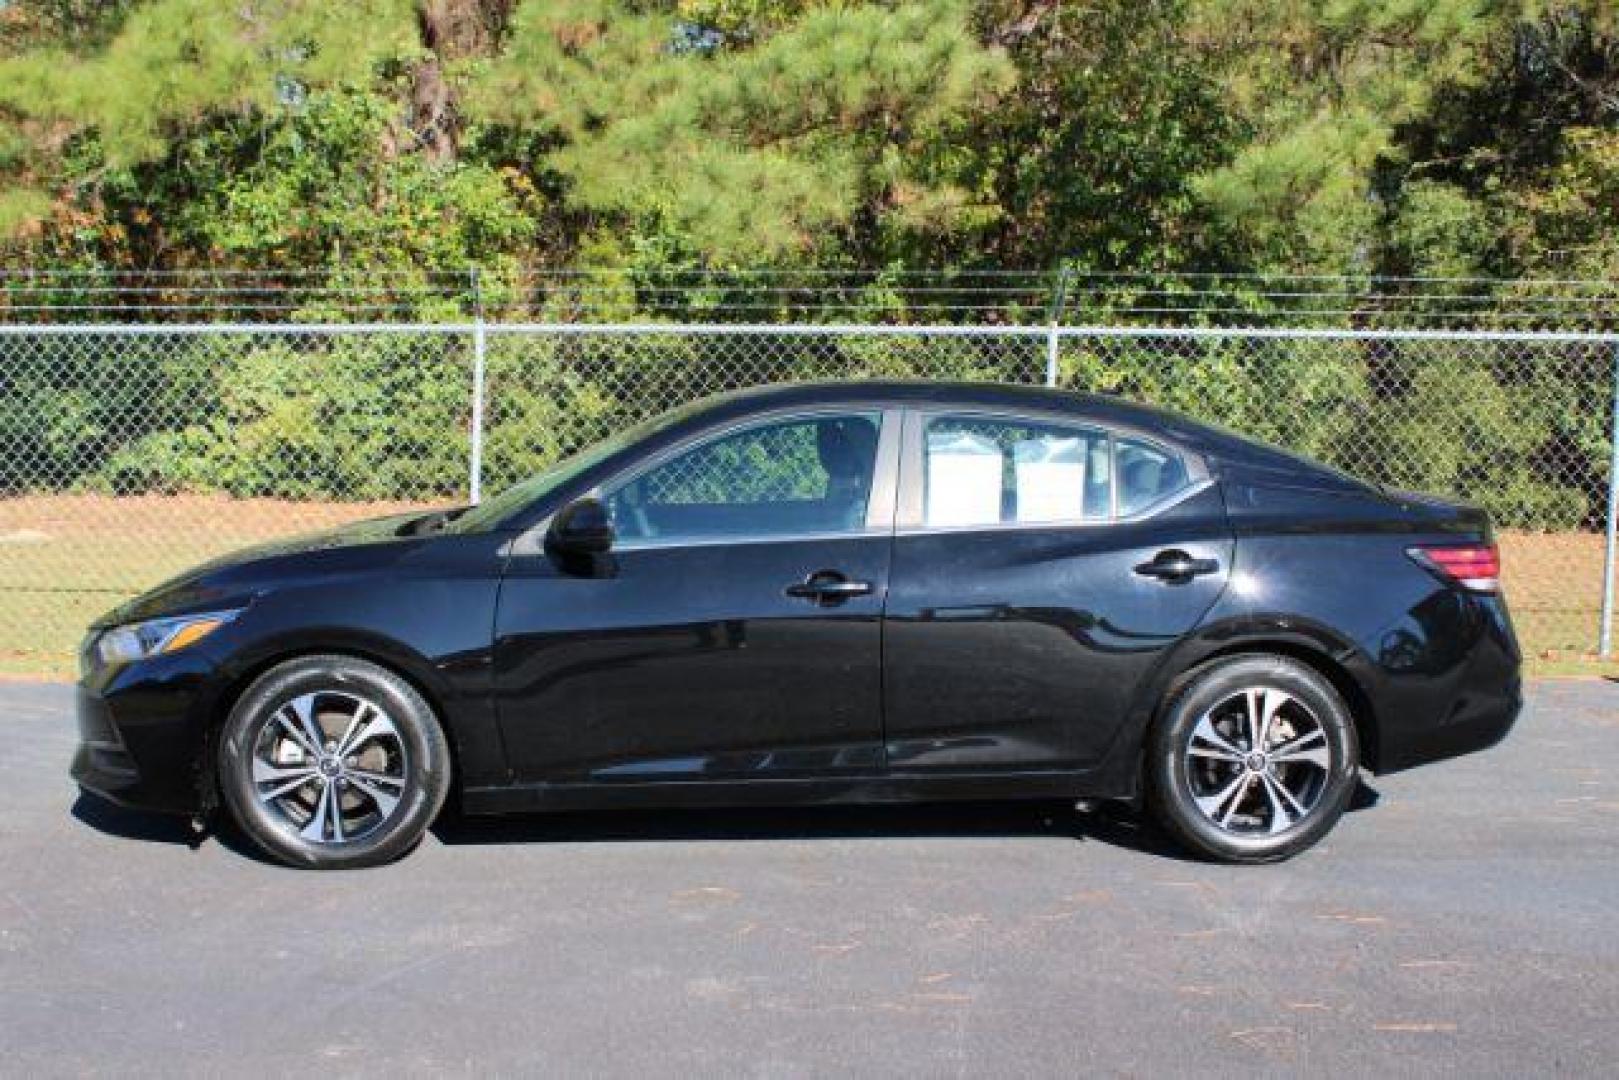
(368,784)
(316,828)
(1234,791)
(360,714)
(1218,746)
(1284,809)
(1263,705)
(1251,709)
(1310,747)
(300,724)
(290,785)
(284,778)
(264,772)
(378,726)
(1298,809)
(1231,808)
(1278,813)
(335,811)
(376,777)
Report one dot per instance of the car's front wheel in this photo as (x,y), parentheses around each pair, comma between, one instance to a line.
(1253,759)
(332,761)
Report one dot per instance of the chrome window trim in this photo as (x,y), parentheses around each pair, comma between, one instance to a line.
(910,520)
(880,505)
(676,543)
(1144,514)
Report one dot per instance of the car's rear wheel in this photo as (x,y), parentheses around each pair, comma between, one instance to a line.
(333,761)
(1253,759)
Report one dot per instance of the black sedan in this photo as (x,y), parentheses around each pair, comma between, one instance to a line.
(852,592)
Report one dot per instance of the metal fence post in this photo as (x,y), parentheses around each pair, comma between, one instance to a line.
(1606,644)
(479,342)
(1054,336)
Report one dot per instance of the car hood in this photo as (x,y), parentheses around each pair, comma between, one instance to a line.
(232,580)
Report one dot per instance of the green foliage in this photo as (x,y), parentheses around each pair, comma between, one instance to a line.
(175,60)
(746,152)
(1325,86)
(1459,428)
(20,207)
(740,20)
(1092,155)
(310,189)
(374,417)
(1227,381)
(1568,224)
(1439,232)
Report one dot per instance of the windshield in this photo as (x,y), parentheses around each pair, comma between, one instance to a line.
(490,512)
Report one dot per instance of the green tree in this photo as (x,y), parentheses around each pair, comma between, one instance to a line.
(792,139)
(1324,88)
(173,61)
(1091,156)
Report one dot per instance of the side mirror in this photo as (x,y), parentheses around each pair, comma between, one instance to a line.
(581,528)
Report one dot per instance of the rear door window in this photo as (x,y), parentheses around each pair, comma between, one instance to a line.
(989,471)
(1148,474)
(992,470)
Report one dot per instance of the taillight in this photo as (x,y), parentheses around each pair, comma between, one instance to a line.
(1472,566)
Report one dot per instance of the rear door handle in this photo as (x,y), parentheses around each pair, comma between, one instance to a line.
(1174,566)
(828,587)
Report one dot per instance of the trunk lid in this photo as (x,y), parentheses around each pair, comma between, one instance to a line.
(1444,513)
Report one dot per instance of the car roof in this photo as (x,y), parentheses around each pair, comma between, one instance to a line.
(951,394)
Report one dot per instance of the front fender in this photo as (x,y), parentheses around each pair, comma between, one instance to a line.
(434,633)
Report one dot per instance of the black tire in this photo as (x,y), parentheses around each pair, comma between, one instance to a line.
(405,779)
(1186,775)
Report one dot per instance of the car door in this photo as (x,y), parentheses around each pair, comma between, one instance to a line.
(735,632)
(1041,566)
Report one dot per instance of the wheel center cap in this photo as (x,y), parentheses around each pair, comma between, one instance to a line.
(330,767)
(1256,762)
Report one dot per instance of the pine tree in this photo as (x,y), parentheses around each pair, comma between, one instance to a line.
(1324,87)
(754,139)
(168,64)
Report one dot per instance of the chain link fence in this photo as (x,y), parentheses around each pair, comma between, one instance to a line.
(128,453)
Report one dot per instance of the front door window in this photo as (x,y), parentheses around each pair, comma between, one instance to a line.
(799,476)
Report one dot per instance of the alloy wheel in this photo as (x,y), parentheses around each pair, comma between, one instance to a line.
(1257,762)
(332,765)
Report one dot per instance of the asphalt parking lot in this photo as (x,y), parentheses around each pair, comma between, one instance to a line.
(1462,920)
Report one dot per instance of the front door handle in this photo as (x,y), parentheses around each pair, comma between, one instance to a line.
(828,587)
(1174,566)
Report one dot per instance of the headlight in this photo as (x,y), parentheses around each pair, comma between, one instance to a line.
(124,644)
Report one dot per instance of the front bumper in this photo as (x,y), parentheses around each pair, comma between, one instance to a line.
(101,763)
(143,734)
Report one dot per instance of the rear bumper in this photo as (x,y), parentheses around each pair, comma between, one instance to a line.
(1478,723)
(1460,707)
